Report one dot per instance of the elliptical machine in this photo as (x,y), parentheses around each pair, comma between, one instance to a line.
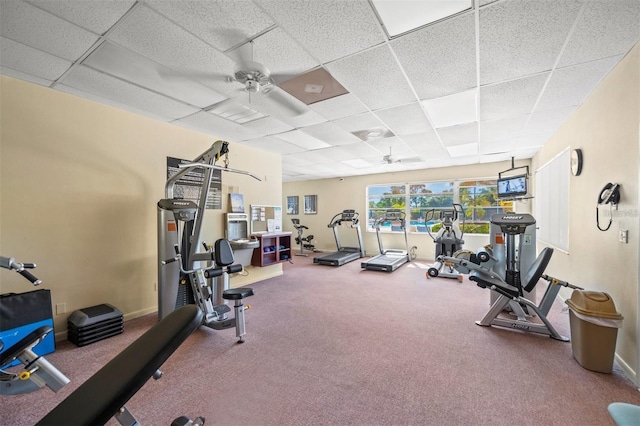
(303,242)
(448,240)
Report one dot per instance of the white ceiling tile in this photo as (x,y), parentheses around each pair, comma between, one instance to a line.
(353,151)
(217,126)
(268,126)
(606,28)
(131,66)
(482,3)
(358,163)
(110,102)
(309,157)
(465,161)
(271,144)
(571,85)
(396,145)
(24,77)
(405,119)
(34,27)
(28,60)
(358,122)
(328,29)
(374,77)
(459,135)
(502,147)
(339,107)
(153,36)
(331,133)
(221,23)
(108,87)
(399,17)
(497,130)
(427,145)
(302,139)
(95,15)
(463,150)
(441,58)
(547,121)
(519,38)
(510,99)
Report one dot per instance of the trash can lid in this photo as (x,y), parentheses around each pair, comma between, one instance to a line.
(593,303)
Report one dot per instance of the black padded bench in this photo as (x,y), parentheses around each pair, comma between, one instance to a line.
(103,394)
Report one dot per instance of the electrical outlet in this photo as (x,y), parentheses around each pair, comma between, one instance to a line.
(624,236)
(61,308)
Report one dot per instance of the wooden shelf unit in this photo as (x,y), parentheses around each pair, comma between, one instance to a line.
(279,249)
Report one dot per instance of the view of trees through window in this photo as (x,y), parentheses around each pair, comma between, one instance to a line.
(422,201)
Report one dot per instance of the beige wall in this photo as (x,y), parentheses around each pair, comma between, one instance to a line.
(335,195)
(79,187)
(605,127)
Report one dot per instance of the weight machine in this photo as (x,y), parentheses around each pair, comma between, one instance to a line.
(180,280)
(518,281)
(37,371)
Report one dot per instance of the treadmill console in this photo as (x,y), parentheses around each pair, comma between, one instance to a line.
(348,215)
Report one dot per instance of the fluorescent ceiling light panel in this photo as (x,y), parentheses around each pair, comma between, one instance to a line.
(301,139)
(452,110)
(236,112)
(401,16)
(463,150)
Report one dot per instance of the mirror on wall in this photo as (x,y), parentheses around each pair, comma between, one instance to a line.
(266,219)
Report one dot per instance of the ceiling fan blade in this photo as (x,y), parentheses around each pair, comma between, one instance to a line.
(292,105)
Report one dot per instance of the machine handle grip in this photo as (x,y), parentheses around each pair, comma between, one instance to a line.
(213,272)
(232,269)
(166,262)
(29,265)
(28,275)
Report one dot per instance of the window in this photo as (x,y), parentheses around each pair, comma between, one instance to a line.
(478,198)
(428,196)
(381,198)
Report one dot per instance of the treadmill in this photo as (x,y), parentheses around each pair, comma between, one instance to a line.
(389,259)
(344,254)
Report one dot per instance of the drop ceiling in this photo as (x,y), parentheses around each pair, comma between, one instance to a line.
(489,83)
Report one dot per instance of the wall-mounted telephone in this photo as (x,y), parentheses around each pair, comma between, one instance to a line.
(610,194)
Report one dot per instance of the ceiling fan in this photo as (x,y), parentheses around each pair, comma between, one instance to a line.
(256,78)
(390,159)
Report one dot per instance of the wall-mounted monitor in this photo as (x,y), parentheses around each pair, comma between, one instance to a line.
(512,186)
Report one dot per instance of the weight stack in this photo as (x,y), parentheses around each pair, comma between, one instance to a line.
(93,324)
